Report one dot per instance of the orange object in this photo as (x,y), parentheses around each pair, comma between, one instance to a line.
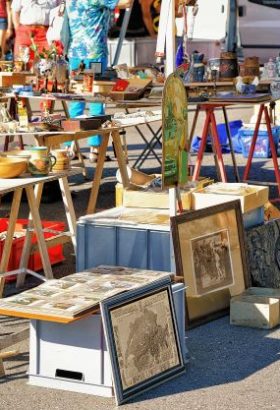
(35,262)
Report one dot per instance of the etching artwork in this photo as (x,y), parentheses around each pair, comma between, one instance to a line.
(212,263)
(144,339)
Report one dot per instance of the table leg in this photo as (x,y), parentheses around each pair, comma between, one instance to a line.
(9,238)
(150,148)
(98,174)
(194,122)
(28,238)
(121,158)
(33,206)
(201,150)
(69,209)
(253,143)
(218,147)
(235,168)
(272,148)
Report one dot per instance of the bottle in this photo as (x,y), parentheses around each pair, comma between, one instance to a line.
(22,114)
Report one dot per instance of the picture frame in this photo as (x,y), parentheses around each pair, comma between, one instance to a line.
(142,338)
(209,251)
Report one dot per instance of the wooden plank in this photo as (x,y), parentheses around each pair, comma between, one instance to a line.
(60,239)
(14,338)
(98,174)
(48,318)
(69,209)
(26,251)
(121,157)
(5,355)
(39,232)
(9,238)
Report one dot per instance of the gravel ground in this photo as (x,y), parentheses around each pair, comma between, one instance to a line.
(230,367)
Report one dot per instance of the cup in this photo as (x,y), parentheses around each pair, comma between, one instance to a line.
(63,158)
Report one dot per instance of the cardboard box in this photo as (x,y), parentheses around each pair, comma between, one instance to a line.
(84,124)
(254,311)
(250,196)
(144,198)
(134,90)
(263,292)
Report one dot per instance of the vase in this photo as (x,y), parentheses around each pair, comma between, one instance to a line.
(40,162)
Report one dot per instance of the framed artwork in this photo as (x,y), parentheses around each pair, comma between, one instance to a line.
(210,253)
(142,338)
(174,132)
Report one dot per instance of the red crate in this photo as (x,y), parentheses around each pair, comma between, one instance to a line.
(35,262)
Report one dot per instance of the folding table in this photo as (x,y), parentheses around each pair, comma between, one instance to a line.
(33,187)
(263,101)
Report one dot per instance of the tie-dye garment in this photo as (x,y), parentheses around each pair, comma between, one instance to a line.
(89,24)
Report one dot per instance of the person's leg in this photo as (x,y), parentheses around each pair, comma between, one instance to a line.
(94,142)
(40,38)
(77,107)
(23,36)
(3,30)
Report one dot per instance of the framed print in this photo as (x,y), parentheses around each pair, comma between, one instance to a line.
(142,338)
(210,254)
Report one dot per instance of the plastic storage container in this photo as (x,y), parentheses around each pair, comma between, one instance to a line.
(262,148)
(35,263)
(112,237)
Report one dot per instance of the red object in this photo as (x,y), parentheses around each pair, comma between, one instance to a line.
(59,47)
(263,110)
(120,85)
(35,263)
(24,34)
(3,9)
(209,121)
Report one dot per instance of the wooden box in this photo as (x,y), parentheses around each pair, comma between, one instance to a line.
(7,79)
(134,91)
(153,199)
(254,311)
(84,124)
(254,197)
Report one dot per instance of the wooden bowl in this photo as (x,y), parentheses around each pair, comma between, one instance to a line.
(12,167)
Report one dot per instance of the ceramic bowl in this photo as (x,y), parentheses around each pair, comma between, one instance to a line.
(12,167)
(16,154)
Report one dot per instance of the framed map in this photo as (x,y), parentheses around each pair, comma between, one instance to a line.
(174,132)
(142,338)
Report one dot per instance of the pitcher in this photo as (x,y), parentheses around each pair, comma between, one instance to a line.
(40,162)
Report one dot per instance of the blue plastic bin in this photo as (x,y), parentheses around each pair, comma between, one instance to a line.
(262,148)
(222,132)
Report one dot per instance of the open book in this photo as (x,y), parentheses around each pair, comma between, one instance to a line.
(77,293)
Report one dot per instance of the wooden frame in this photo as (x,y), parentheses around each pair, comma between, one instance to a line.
(142,338)
(212,298)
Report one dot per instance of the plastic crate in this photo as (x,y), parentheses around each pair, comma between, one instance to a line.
(262,148)
(35,262)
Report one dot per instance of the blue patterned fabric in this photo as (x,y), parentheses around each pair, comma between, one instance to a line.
(89,24)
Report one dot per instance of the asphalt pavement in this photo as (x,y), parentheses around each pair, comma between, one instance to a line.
(229,368)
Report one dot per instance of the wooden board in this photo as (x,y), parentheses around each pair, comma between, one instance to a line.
(242,98)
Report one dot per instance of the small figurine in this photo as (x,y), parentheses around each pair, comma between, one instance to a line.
(82,66)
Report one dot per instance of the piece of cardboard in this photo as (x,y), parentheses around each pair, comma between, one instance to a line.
(256,197)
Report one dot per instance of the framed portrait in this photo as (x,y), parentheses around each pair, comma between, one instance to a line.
(209,252)
(142,338)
